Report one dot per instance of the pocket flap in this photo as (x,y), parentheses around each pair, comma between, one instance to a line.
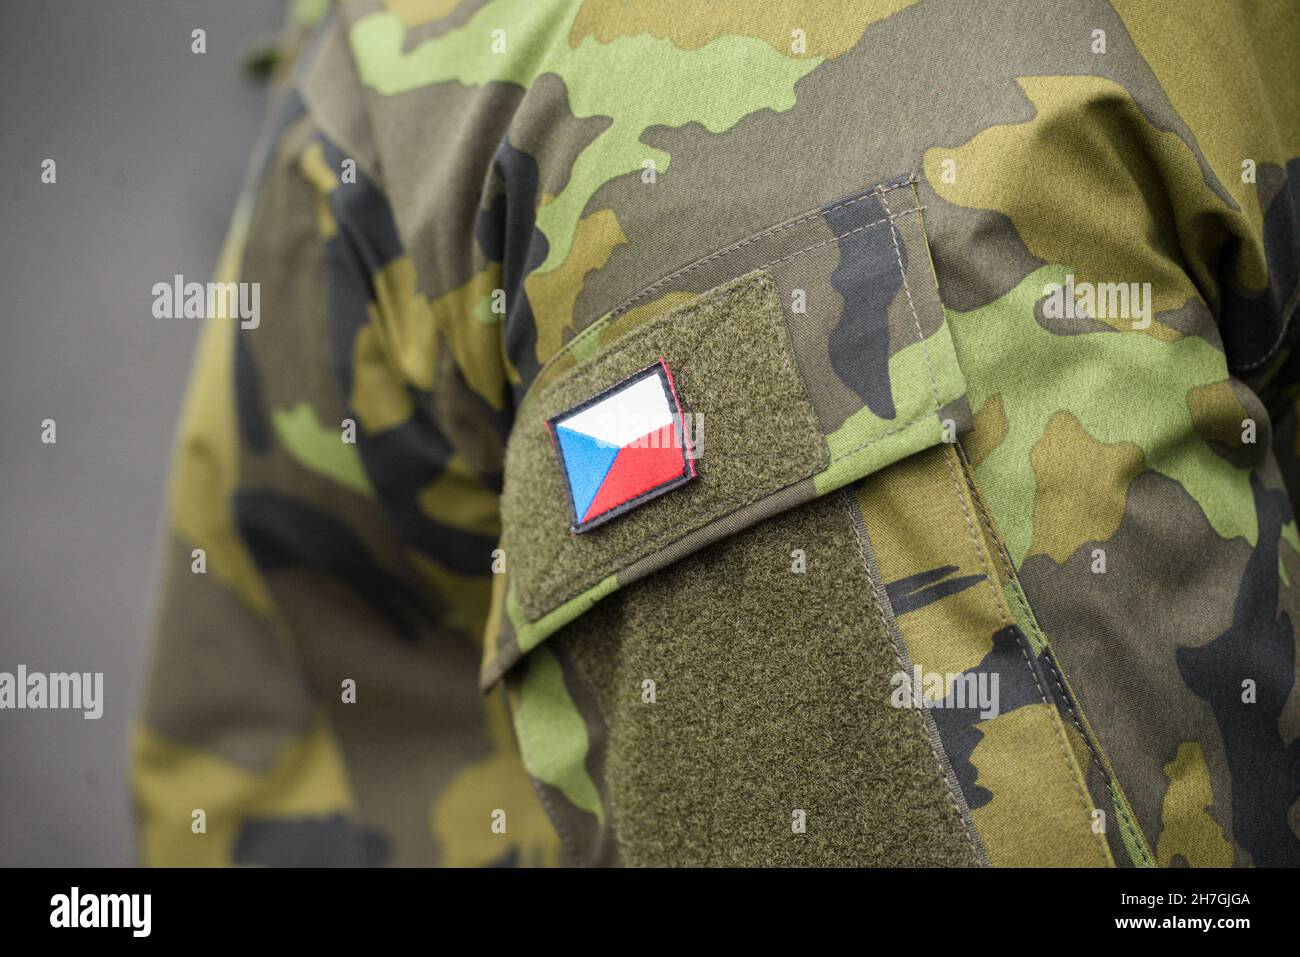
(800,358)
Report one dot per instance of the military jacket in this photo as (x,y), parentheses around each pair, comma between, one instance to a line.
(967,329)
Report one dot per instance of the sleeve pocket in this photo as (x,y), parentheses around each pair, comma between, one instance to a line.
(806,356)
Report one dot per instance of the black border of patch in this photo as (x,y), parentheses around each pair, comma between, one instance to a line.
(660,369)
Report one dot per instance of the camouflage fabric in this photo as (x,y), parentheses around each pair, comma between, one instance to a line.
(985,313)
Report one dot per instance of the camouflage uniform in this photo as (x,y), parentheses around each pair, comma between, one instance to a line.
(840,223)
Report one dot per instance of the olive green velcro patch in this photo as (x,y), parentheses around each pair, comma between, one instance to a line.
(750,733)
(752,430)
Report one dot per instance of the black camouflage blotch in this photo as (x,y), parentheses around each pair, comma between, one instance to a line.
(507,232)
(250,408)
(366,241)
(509,859)
(1265,770)
(868,278)
(402,461)
(281,532)
(957,726)
(333,841)
(364,217)
(917,591)
(1253,322)
(479,416)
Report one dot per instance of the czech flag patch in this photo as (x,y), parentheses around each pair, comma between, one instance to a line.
(622,447)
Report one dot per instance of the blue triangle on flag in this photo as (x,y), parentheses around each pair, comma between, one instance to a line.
(587,460)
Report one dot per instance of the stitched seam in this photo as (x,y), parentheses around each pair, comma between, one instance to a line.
(999,602)
(780,259)
(919,337)
(728,250)
(1004,614)
(923,414)
(999,605)
(1125,824)
(1023,600)
(713,257)
(915,319)
(902,272)
(963,815)
(1087,738)
(1065,698)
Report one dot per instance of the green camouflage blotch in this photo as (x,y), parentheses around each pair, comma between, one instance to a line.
(552,734)
(715,86)
(1122,387)
(320,449)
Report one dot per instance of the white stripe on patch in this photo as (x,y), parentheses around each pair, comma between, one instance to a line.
(627,415)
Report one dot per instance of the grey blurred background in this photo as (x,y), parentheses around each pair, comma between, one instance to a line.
(150,141)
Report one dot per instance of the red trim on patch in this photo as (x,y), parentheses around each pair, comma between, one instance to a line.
(681,416)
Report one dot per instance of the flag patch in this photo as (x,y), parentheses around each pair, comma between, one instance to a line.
(622,447)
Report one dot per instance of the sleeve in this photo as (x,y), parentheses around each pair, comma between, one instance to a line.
(1249,124)
(332,514)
